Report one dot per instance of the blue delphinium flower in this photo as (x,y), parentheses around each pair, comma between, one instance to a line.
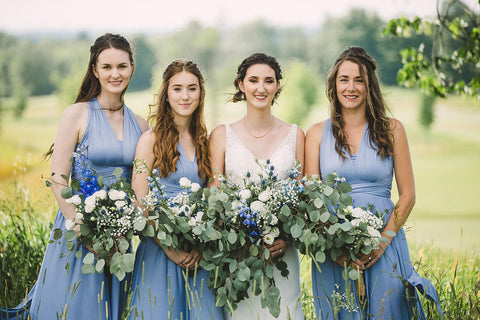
(83,172)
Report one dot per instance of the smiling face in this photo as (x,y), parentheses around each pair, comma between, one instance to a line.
(259,85)
(183,94)
(113,70)
(351,88)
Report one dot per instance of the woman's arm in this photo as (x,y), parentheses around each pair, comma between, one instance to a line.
(300,149)
(402,166)
(70,131)
(216,147)
(313,140)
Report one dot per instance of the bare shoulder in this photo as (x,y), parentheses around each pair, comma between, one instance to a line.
(396,127)
(218,132)
(75,116)
(142,122)
(316,130)
(147,138)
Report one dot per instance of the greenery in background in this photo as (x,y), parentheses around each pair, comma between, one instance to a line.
(451,65)
(23,239)
(426,114)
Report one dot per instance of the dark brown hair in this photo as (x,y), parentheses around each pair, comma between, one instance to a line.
(166,134)
(90,87)
(378,123)
(256,58)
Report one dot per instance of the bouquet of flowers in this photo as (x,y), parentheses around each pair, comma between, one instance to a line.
(338,228)
(249,217)
(106,218)
(178,221)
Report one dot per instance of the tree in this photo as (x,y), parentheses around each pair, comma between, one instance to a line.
(453,65)
(144,62)
(302,86)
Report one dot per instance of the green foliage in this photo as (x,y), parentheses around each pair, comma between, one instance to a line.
(23,239)
(144,63)
(426,114)
(301,92)
(453,65)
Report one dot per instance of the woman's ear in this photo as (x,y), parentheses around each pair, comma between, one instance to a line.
(240,86)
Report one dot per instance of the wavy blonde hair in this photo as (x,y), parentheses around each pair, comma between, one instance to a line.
(380,132)
(166,134)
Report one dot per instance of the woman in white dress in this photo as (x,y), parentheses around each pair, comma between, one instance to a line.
(259,135)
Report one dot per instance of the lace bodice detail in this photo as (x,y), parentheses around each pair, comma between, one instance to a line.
(239,159)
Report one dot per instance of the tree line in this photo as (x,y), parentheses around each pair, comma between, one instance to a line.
(39,67)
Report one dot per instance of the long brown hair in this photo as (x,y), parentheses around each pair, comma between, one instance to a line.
(378,123)
(90,87)
(166,133)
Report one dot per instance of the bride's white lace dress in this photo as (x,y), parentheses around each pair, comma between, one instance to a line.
(238,160)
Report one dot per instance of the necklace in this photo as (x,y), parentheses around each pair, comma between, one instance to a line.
(262,135)
(112,109)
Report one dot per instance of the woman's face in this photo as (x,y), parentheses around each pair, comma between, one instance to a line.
(351,89)
(183,94)
(259,85)
(113,70)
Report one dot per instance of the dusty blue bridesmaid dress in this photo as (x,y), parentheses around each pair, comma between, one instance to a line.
(159,286)
(61,288)
(390,283)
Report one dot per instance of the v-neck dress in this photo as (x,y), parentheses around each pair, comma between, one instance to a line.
(159,286)
(238,160)
(61,288)
(392,277)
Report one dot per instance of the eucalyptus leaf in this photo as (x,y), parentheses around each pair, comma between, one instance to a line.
(89,258)
(66,192)
(100,265)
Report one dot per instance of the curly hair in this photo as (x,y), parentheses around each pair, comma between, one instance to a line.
(380,132)
(166,134)
(256,58)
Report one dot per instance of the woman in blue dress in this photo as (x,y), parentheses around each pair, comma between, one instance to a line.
(366,147)
(177,146)
(100,122)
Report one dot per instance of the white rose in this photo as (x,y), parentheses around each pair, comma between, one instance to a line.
(195,187)
(89,208)
(184,182)
(69,224)
(75,200)
(358,212)
(113,195)
(91,201)
(120,203)
(275,232)
(264,196)
(268,239)
(192,222)
(236,204)
(257,206)
(245,194)
(79,216)
(121,195)
(101,194)
(373,232)
(349,209)
(274,220)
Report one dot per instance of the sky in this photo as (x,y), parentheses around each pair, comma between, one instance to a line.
(153,16)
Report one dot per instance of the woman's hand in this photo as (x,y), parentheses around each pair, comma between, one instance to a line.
(277,248)
(185,260)
(370,259)
(357,264)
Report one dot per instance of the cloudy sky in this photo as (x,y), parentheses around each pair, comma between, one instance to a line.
(24,16)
